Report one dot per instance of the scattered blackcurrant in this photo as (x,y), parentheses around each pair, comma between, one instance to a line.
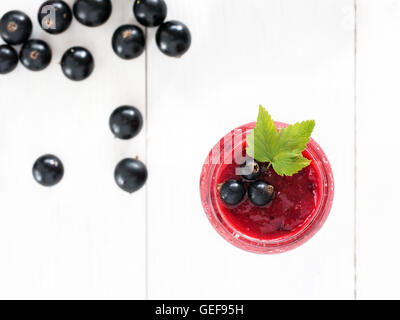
(260,193)
(255,168)
(130,175)
(15,27)
(48,170)
(92,13)
(128,41)
(77,63)
(150,13)
(173,38)
(55,16)
(126,122)
(232,192)
(35,55)
(8,59)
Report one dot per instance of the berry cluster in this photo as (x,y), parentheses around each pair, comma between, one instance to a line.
(55,16)
(130,174)
(173,37)
(260,192)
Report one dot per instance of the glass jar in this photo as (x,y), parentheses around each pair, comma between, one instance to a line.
(208,191)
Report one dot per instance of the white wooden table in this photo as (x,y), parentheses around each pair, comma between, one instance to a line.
(335,61)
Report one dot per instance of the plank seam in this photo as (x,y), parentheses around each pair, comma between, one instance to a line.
(355,150)
(147,160)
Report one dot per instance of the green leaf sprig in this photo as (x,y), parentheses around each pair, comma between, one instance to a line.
(283,149)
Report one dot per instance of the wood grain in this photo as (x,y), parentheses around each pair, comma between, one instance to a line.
(378,97)
(83,238)
(297,59)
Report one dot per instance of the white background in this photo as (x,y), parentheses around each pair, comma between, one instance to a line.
(335,61)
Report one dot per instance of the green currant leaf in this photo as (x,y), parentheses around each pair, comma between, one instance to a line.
(283,149)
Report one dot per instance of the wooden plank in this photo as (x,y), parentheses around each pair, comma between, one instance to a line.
(297,59)
(84,238)
(378,97)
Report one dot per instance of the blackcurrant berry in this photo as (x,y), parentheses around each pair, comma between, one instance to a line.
(48,170)
(173,38)
(77,63)
(130,175)
(15,27)
(92,13)
(232,192)
(128,41)
(126,122)
(260,193)
(8,59)
(150,13)
(35,55)
(255,168)
(55,16)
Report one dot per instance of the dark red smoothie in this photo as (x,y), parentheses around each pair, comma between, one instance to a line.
(295,202)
